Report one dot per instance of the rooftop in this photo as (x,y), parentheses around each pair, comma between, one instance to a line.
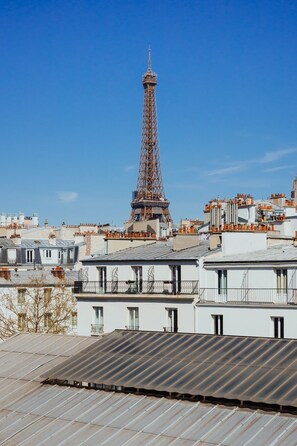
(275,253)
(251,371)
(154,251)
(33,414)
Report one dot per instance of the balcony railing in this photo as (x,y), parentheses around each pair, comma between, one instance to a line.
(248,295)
(133,287)
(132,327)
(97,329)
(170,329)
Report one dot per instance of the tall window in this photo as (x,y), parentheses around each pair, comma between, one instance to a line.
(281,281)
(74,319)
(138,278)
(222,281)
(21,295)
(176,279)
(97,326)
(29,255)
(278,323)
(47,295)
(172,320)
(47,320)
(102,279)
(218,324)
(133,313)
(48,253)
(22,323)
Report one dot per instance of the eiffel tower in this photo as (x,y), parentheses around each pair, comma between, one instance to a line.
(149,202)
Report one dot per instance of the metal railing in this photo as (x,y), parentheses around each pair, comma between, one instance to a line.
(249,295)
(96,329)
(134,287)
(132,327)
(170,330)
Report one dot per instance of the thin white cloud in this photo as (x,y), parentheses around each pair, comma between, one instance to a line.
(129,168)
(239,166)
(67,197)
(277,168)
(270,157)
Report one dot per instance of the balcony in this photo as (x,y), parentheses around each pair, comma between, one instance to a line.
(132,287)
(132,327)
(248,296)
(96,329)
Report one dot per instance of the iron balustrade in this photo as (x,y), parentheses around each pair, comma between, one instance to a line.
(134,287)
(249,295)
(96,329)
(170,330)
(132,327)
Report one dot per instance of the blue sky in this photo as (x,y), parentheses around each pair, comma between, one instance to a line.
(72,98)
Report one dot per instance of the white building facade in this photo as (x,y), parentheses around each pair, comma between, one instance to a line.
(218,291)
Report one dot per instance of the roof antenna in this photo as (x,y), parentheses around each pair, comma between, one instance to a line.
(149,64)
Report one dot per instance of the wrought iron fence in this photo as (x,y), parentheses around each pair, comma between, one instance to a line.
(137,287)
(97,329)
(249,295)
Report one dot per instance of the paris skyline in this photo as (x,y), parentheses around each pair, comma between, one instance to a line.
(72,99)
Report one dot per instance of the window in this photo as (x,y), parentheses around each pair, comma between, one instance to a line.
(21,295)
(176,279)
(281,281)
(222,281)
(97,325)
(102,279)
(71,254)
(138,278)
(172,320)
(59,255)
(133,313)
(74,319)
(278,323)
(47,320)
(48,253)
(47,295)
(29,255)
(218,324)
(22,323)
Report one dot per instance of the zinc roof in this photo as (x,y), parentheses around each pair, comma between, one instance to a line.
(154,251)
(275,253)
(44,243)
(258,370)
(33,414)
(20,277)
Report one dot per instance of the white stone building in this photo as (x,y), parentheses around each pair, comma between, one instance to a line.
(243,286)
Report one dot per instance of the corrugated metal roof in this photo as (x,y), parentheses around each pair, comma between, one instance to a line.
(258,370)
(33,414)
(155,251)
(275,253)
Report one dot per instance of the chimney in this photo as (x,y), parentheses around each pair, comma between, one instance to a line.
(58,272)
(5,273)
(183,241)
(17,239)
(52,239)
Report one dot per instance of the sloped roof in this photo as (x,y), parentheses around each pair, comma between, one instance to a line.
(20,277)
(275,253)
(44,243)
(246,369)
(154,251)
(32,414)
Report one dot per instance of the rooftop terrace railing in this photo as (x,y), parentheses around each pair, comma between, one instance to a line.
(248,295)
(134,287)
